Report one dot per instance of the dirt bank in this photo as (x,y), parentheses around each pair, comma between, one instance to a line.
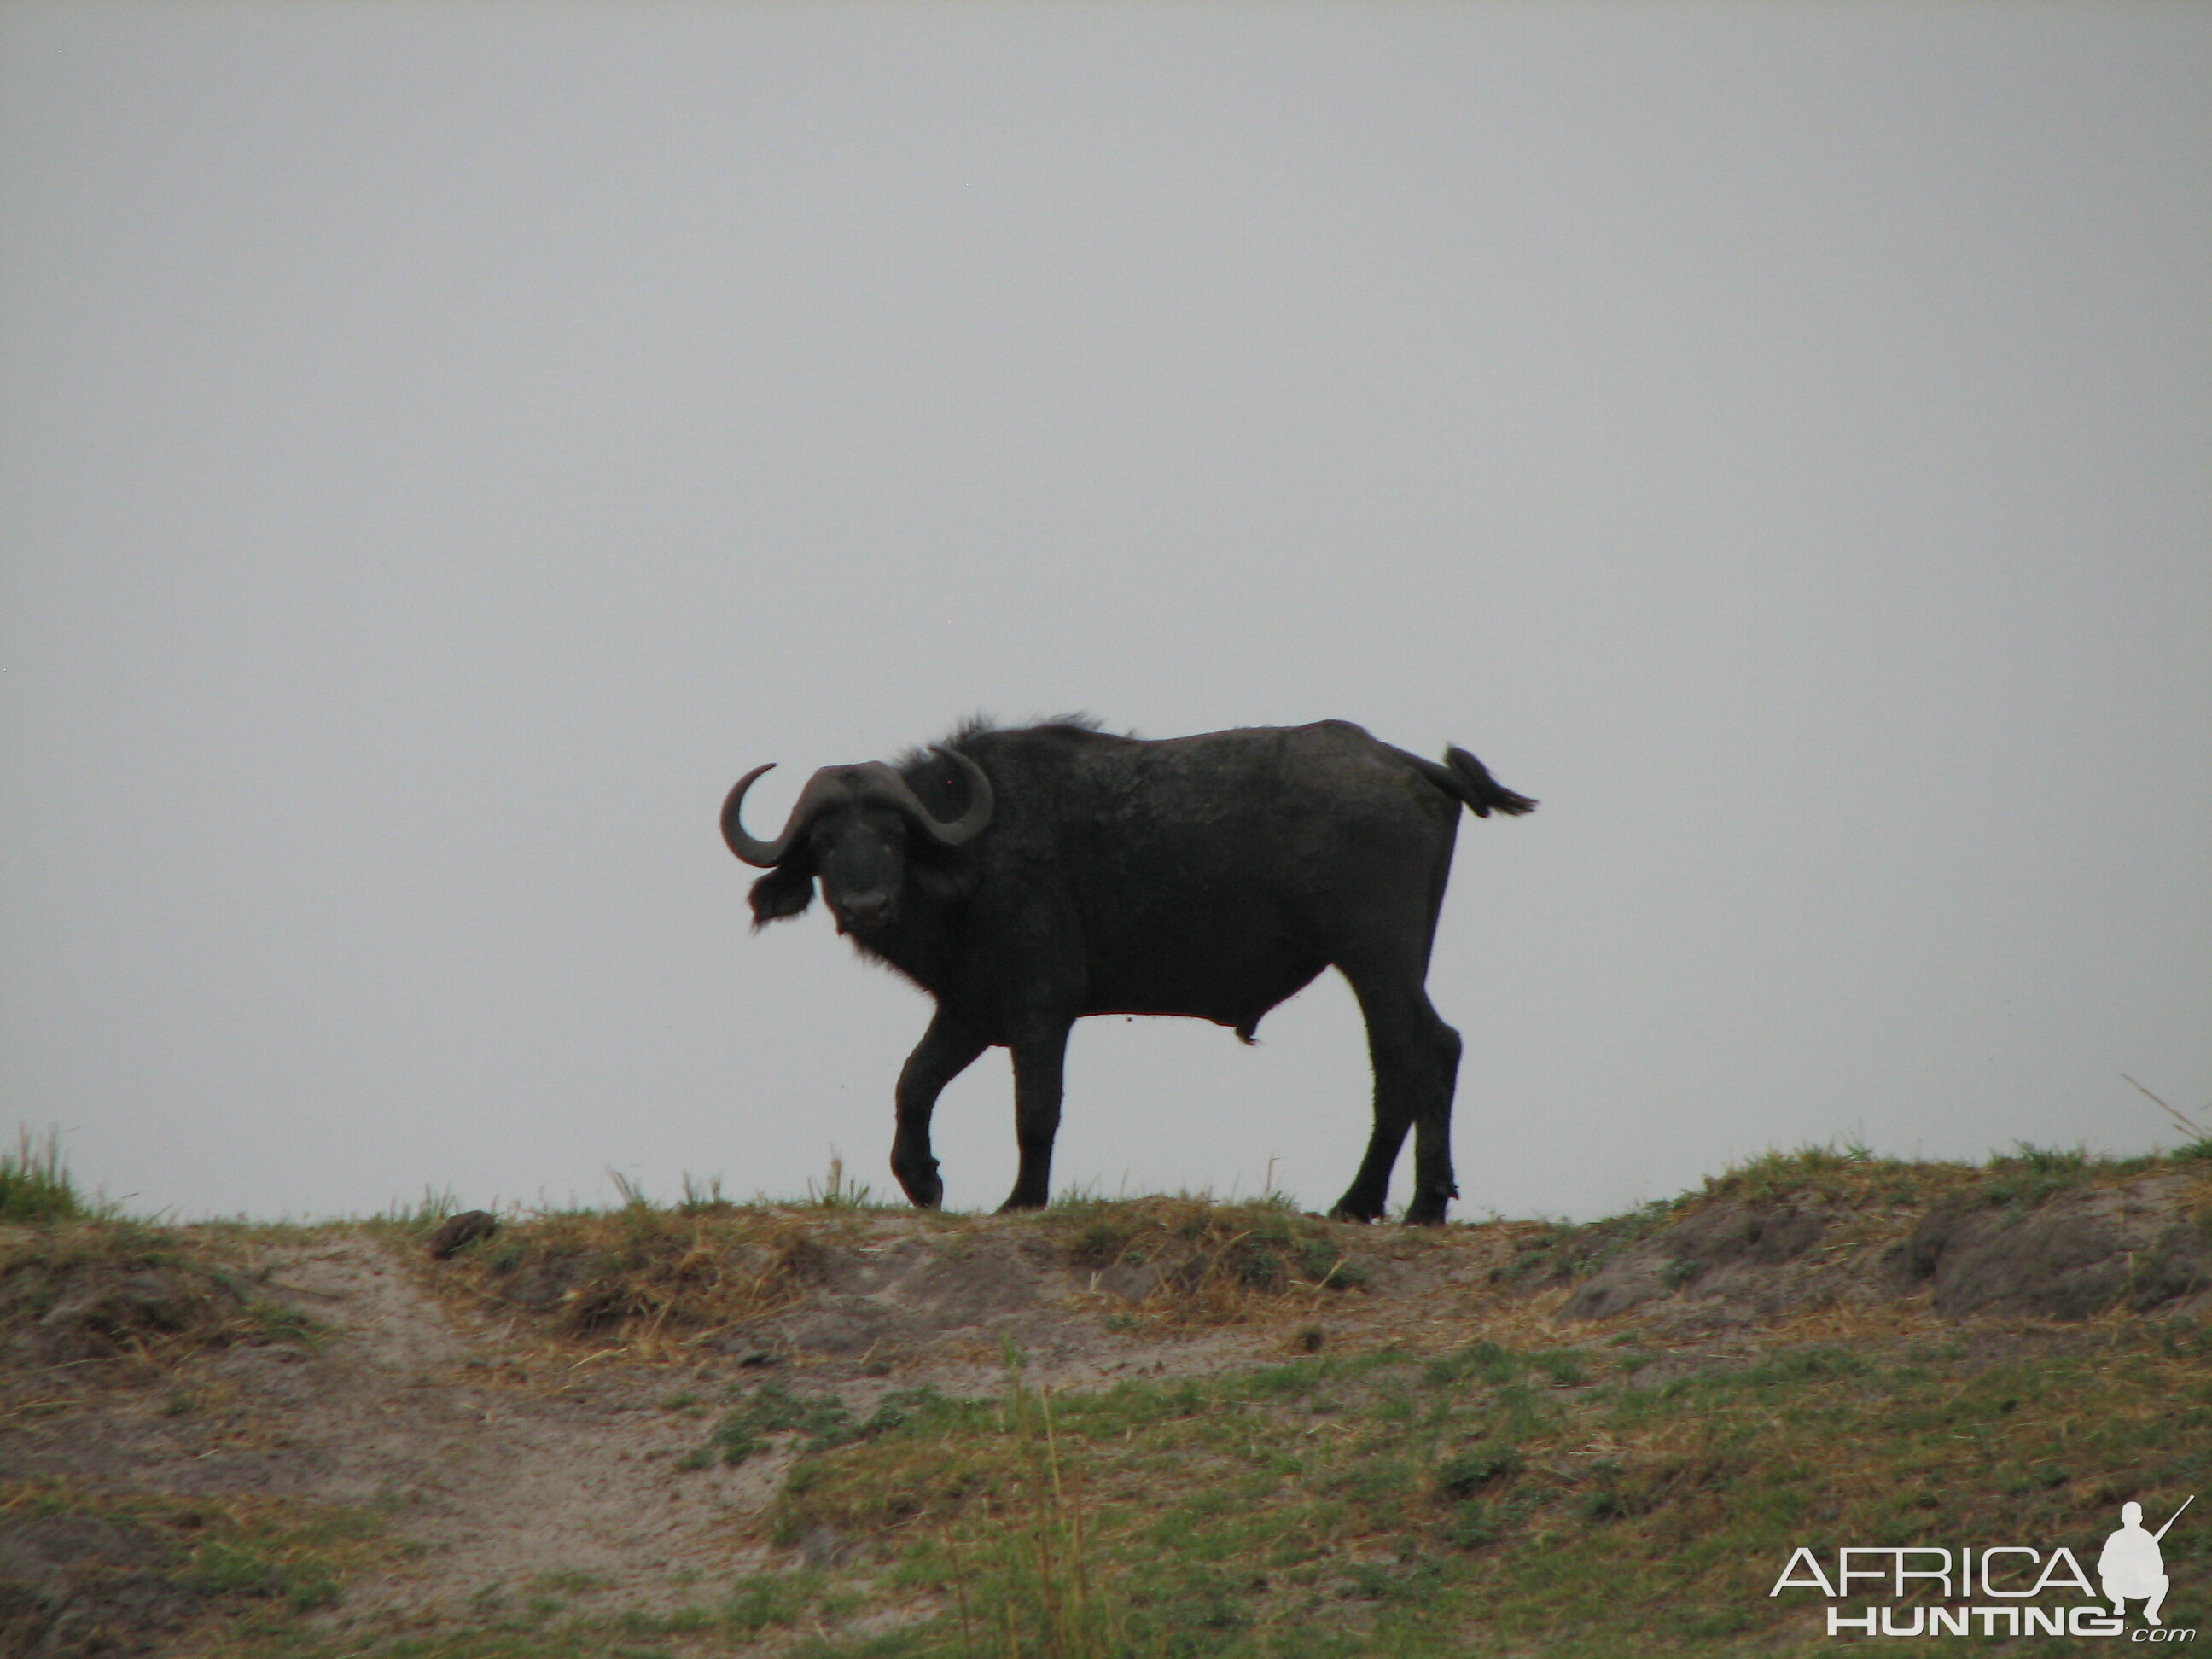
(187,1416)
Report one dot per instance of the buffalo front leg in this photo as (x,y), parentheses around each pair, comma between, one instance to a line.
(1040,1060)
(1363,1199)
(946,1049)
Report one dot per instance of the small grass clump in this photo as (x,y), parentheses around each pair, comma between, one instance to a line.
(838,1191)
(817,1422)
(2029,1175)
(1465,1473)
(34,1187)
(1852,1176)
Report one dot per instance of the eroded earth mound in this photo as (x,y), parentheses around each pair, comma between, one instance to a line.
(346,1433)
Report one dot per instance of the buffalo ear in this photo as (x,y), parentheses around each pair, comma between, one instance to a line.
(781,893)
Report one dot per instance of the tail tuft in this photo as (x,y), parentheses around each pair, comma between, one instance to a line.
(1464,775)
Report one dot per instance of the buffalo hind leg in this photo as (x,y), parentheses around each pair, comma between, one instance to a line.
(947,1048)
(1416,1061)
(1434,1184)
(1040,1061)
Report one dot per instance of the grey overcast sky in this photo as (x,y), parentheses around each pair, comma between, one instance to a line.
(442,445)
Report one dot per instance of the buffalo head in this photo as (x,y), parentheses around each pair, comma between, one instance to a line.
(849,826)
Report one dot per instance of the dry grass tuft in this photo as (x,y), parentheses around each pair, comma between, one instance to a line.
(79,1292)
(651,1282)
(1191,1262)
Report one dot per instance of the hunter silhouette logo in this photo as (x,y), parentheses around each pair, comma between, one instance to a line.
(2132,1565)
(2001,1586)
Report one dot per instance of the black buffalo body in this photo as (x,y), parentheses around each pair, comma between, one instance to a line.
(1025,878)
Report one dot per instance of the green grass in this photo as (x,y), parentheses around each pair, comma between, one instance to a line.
(816,1421)
(253,1568)
(1387,1505)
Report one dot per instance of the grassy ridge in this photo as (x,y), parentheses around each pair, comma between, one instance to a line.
(1502,1497)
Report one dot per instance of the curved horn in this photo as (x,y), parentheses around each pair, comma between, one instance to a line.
(822,790)
(888,786)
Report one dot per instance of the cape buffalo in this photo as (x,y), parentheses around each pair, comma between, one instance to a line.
(1024,878)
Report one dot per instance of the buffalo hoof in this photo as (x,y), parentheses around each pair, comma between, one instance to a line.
(1018,1203)
(1345,1213)
(926,1194)
(1427,1208)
